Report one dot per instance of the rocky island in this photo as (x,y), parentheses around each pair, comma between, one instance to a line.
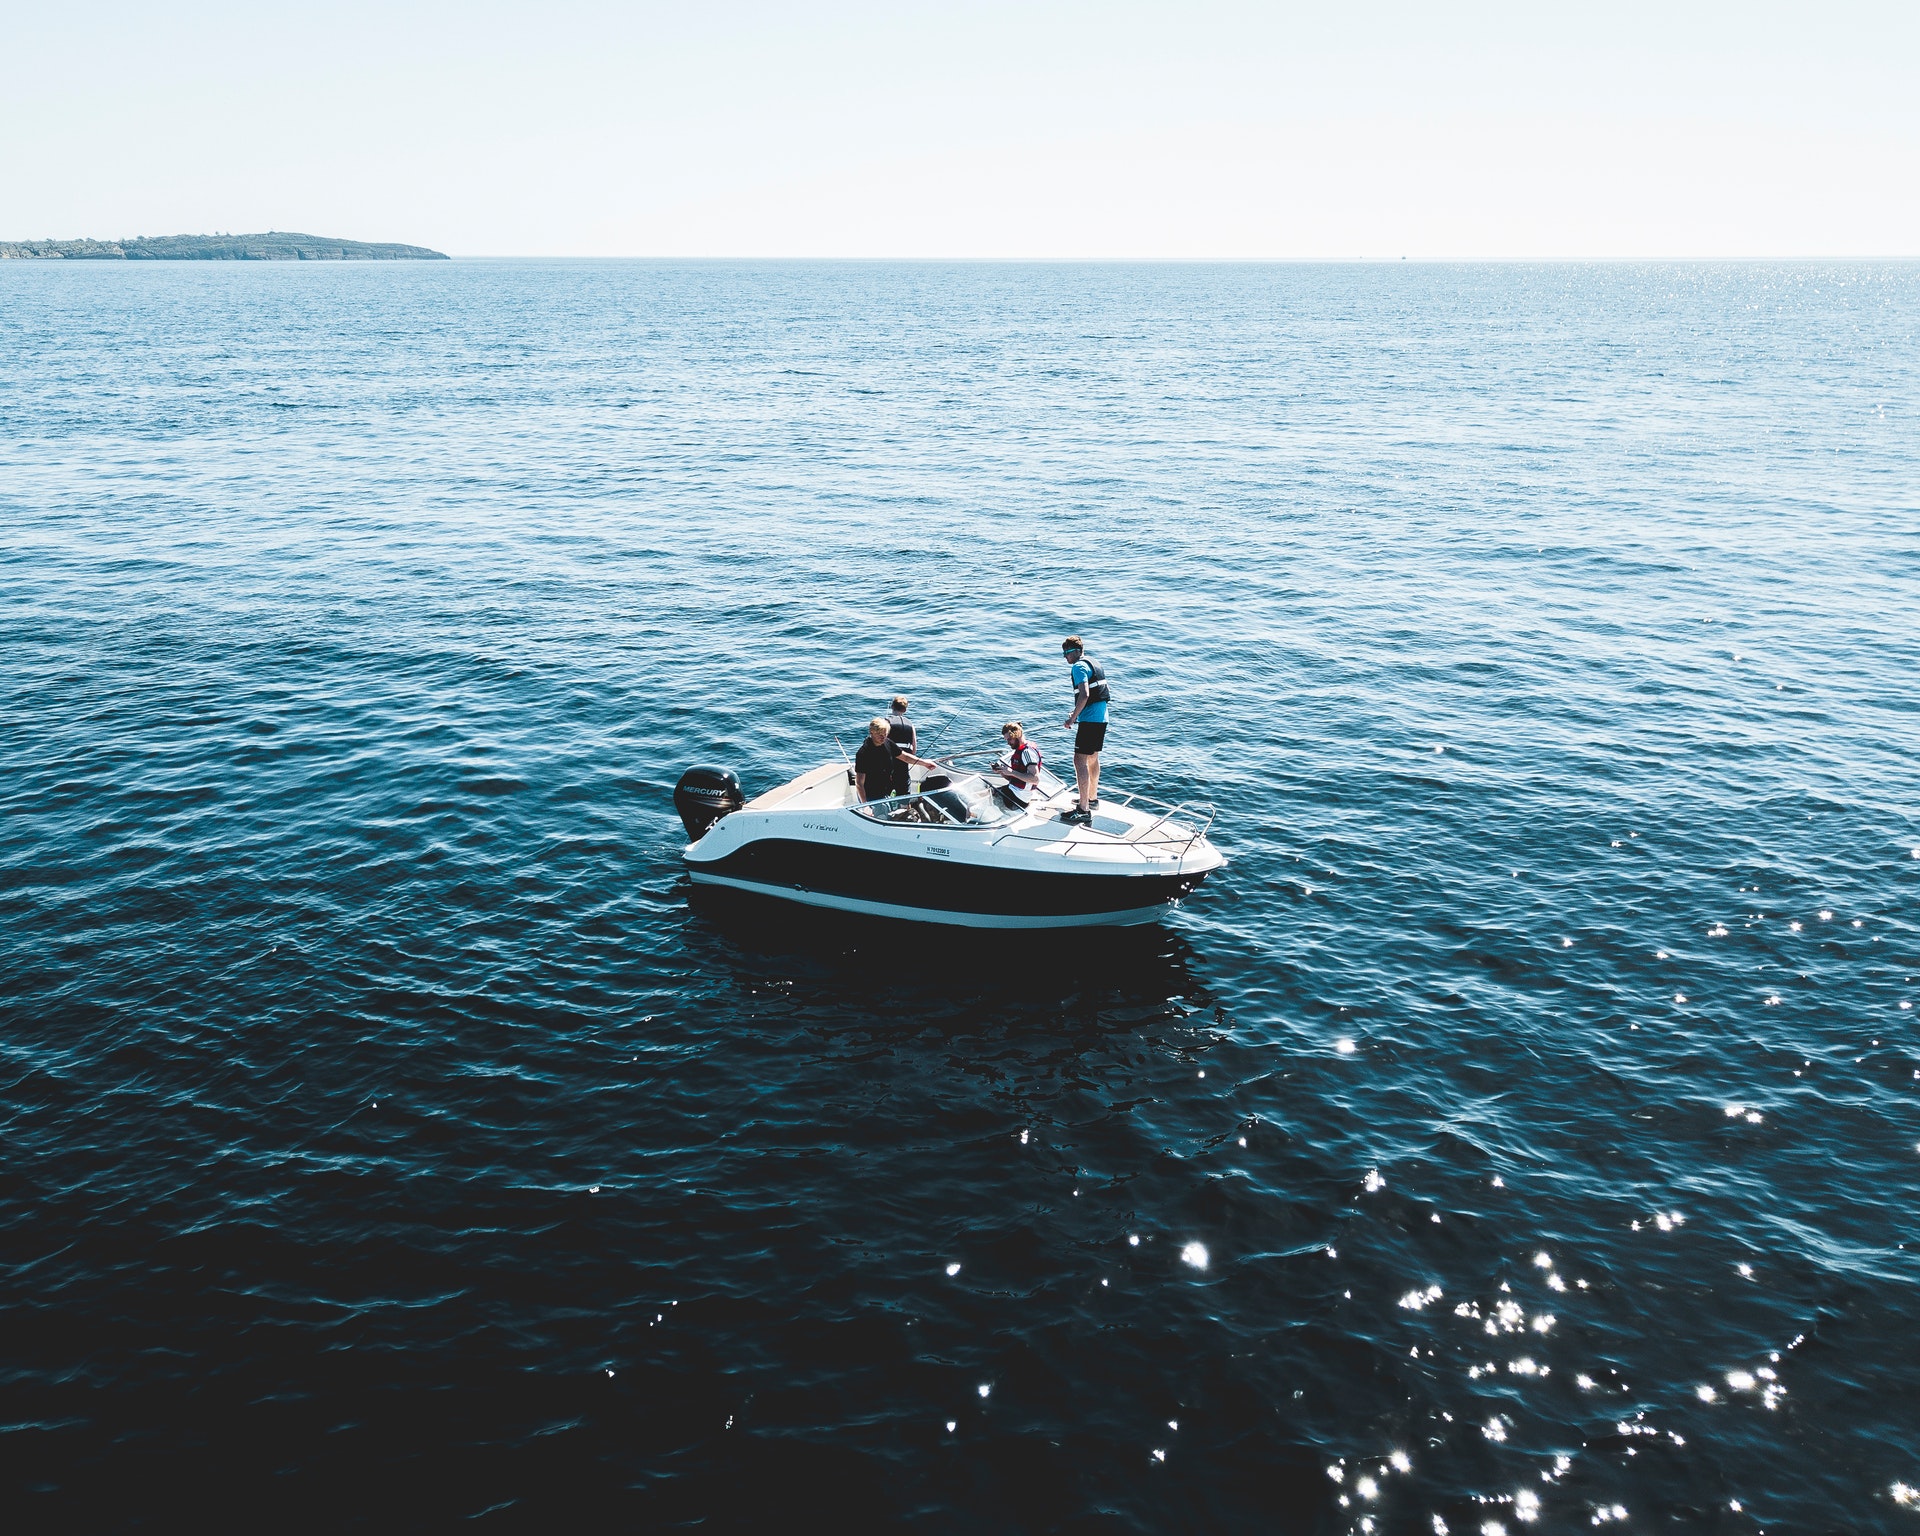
(275,245)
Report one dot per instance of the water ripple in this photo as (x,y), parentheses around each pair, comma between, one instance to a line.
(1519,1131)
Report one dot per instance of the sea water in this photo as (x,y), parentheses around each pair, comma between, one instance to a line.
(1525,1124)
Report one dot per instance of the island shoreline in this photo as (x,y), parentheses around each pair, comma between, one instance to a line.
(273,245)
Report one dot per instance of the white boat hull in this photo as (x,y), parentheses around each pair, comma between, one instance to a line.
(811,843)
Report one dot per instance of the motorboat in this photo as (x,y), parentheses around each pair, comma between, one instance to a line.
(963,849)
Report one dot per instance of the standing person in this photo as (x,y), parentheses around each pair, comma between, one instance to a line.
(1022,768)
(901,733)
(1090,698)
(873,764)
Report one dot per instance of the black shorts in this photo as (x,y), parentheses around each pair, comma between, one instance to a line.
(1092,736)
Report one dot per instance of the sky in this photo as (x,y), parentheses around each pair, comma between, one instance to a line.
(1179,130)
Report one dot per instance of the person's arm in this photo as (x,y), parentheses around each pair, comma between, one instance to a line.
(1080,701)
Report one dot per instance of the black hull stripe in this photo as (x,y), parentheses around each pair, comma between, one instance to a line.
(1002,921)
(935,883)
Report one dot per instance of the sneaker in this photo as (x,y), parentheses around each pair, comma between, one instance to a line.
(1077,818)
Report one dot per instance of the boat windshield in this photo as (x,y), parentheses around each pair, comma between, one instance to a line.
(971,801)
(968,801)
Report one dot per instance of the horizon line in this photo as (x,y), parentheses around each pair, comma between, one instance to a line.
(1357,260)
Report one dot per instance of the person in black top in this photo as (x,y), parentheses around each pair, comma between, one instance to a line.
(901,733)
(873,764)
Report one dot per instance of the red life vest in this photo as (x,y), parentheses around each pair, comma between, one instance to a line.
(1016,761)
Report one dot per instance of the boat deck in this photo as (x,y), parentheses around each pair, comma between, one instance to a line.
(1128,826)
(823,789)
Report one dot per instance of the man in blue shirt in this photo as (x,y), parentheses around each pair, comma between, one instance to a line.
(1090,698)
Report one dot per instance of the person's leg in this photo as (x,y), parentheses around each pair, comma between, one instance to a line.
(1093,778)
(1082,773)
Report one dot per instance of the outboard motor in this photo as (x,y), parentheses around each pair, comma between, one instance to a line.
(703,796)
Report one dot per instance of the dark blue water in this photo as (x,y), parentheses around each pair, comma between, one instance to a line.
(388,1141)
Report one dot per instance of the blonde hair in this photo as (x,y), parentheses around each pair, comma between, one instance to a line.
(879,723)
